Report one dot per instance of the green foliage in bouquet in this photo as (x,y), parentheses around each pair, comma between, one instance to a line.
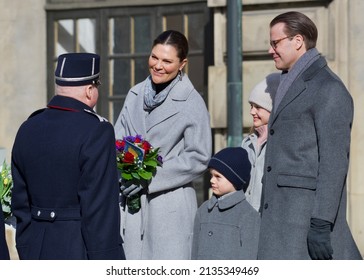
(137,162)
(6,185)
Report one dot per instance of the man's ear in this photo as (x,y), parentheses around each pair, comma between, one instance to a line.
(88,90)
(299,41)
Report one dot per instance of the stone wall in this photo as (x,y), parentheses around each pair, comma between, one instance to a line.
(23,65)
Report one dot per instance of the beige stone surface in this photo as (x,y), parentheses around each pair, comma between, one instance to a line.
(10,240)
(355,70)
(23,65)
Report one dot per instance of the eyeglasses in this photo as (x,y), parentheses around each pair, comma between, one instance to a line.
(96,83)
(274,43)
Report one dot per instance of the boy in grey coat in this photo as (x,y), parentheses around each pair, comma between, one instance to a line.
(227,226)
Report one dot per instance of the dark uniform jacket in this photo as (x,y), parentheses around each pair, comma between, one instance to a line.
(66,193)
(4,253)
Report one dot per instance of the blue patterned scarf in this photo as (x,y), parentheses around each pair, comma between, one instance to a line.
(152,99)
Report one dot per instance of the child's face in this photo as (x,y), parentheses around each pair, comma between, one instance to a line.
(219,184)
(259,114)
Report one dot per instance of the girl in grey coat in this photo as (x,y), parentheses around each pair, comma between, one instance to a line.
(260,100)
(227,226)
(168,112)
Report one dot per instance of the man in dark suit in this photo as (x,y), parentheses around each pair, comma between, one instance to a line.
(66,192)
(4,252)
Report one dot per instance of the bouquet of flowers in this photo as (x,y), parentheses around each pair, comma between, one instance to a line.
(6,184)
(137,160)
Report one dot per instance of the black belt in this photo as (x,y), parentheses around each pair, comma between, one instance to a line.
(59,214)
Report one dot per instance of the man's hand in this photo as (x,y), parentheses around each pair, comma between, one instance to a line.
(319,241)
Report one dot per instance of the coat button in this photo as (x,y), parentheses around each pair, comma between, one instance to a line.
(38,213)
(269,168)
(265,205)
(271,132)
(210,233)
(52,214)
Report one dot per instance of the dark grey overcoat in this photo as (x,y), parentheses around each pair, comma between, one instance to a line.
(306,166)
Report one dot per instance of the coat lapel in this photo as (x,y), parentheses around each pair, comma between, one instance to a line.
(136,112)
(166,110)
(169,108)
(227,201)
(298,87)
(295,90)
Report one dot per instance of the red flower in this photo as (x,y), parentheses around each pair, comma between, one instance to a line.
(120,144)
(137,161)
(146,146)
(128,157)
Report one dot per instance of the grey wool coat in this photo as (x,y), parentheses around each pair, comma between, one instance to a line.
(226,229)
(306,166)
(254,191)
(180,126)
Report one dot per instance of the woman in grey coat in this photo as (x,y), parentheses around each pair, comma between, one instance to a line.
(168,112)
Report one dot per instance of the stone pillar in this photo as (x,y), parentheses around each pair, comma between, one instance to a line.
(356,88)
(23,65)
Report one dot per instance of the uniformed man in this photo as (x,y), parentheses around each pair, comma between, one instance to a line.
(66,192)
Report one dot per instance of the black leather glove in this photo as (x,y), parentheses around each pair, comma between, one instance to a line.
(319,241)
(129,191)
